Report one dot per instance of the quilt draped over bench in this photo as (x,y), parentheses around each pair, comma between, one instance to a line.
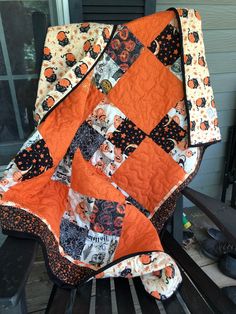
(123,116)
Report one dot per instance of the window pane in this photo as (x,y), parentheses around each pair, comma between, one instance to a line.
(23,26)
(26,95)
(8,127)
(19,35)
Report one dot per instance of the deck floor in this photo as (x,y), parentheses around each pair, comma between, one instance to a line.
(39,286)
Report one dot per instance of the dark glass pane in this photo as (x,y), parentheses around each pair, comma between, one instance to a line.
(2,64)
(17,19)
(26,95)
(24,26)
(8,127)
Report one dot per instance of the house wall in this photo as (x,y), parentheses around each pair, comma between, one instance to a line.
(219,30)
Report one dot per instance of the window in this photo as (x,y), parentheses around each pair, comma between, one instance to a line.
(23,26)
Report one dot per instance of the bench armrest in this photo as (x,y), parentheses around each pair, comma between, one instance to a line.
(223,216)
(16,260)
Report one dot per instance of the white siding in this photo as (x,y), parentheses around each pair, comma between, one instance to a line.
(219,30)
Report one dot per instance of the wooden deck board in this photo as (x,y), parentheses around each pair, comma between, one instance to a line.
(38,287)
(219,278)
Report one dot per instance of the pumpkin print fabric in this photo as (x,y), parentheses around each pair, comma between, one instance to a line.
(121,122)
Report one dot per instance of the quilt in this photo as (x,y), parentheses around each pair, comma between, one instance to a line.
(123,115)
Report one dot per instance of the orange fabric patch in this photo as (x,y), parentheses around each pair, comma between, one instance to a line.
(158,21)
(45,198)
(148,174)
(147,85)
(89,181)
(138,234)
(62,123)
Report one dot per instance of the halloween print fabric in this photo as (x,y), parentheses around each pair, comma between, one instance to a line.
(105,80)
(32,160)
(124,48)
(96,223)
(127,137)
(167,133)
(204,126)
(166,46)
(161,280)
(119,111)
(69,53)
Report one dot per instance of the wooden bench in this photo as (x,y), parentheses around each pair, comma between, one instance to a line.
(197,294)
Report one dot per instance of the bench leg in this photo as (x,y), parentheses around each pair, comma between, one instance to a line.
(69,308)
(177,221)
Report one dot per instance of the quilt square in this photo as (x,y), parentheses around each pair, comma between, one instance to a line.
(127,137)
(106,74)
(33,160)
(108,158)
(166,46)
(99,249)
(143,165)
(79,208)
(167,133)
(186,157)
(72,238)
(105,118)
(87,139)
(107,217)
(124,48)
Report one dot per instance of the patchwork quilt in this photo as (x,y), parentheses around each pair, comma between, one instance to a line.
(123,114)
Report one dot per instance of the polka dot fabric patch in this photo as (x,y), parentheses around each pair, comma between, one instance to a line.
(33,160)
(127,137)
(166,46)
(167,133)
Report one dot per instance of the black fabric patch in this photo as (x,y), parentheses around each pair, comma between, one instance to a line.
(127,137)
(166,46)
(107,217)
(35,158)
(167,133)
(72,238)
(87,139)
(124,48)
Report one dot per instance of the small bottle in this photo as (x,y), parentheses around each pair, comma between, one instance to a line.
(187,224)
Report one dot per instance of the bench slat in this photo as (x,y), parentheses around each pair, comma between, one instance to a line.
(124,298)
(59,300)
(146,301)
(103,296)
(196,303)
(172,305)
(82,299)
